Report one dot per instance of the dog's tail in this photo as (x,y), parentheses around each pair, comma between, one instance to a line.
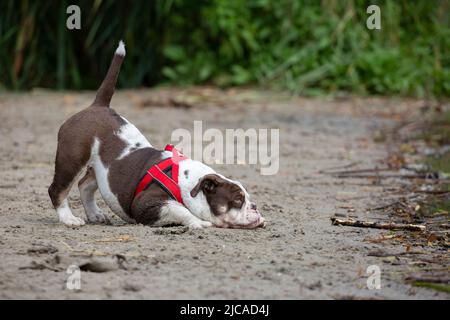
(106,90)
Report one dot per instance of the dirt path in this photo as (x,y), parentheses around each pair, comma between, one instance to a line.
(299,255)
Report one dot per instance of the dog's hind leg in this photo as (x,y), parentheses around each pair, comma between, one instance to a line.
(66,172)
(88,186)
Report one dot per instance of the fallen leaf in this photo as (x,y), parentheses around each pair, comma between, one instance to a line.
(431,238)
(407,148)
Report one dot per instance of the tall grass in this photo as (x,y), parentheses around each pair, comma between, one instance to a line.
(305,46)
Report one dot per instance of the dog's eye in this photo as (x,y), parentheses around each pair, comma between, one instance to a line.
(238,201)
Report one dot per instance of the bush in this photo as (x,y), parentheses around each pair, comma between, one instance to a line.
(304,46)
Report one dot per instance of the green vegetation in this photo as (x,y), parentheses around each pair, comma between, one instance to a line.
(439,205)
(305,46)
(435,286)
(435,206)
(437,134)
(440,163)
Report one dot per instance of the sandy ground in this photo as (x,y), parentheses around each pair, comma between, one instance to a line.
(299,255)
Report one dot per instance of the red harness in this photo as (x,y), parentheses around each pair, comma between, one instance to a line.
(158,173)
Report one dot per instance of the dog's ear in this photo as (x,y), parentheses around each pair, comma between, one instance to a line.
(207,184)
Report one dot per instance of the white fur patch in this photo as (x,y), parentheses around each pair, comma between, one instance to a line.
(195,171)
(101,175)
(121,49)
(66,216)
(132,137)
(166,154)
(175,213)
(87,195)
(87,198)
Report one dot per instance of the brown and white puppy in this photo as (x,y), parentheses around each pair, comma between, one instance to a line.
(116,156)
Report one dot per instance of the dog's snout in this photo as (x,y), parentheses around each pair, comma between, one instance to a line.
(253,206)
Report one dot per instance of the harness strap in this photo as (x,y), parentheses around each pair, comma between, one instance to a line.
(167,183)
(156,173)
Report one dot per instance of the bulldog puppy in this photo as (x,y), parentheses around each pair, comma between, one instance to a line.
(117,158)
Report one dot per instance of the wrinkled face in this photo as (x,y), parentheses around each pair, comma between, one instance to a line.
(229,203)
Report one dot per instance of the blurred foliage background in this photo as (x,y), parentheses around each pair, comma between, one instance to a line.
(305,46)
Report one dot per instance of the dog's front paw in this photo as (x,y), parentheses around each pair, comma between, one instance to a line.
(72,221)
(199,224)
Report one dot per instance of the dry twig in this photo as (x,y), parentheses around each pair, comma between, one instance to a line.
(377,225)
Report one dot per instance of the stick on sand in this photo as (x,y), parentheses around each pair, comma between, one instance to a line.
(377,225)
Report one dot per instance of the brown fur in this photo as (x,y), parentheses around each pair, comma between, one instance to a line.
(219,193)
(106,90)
